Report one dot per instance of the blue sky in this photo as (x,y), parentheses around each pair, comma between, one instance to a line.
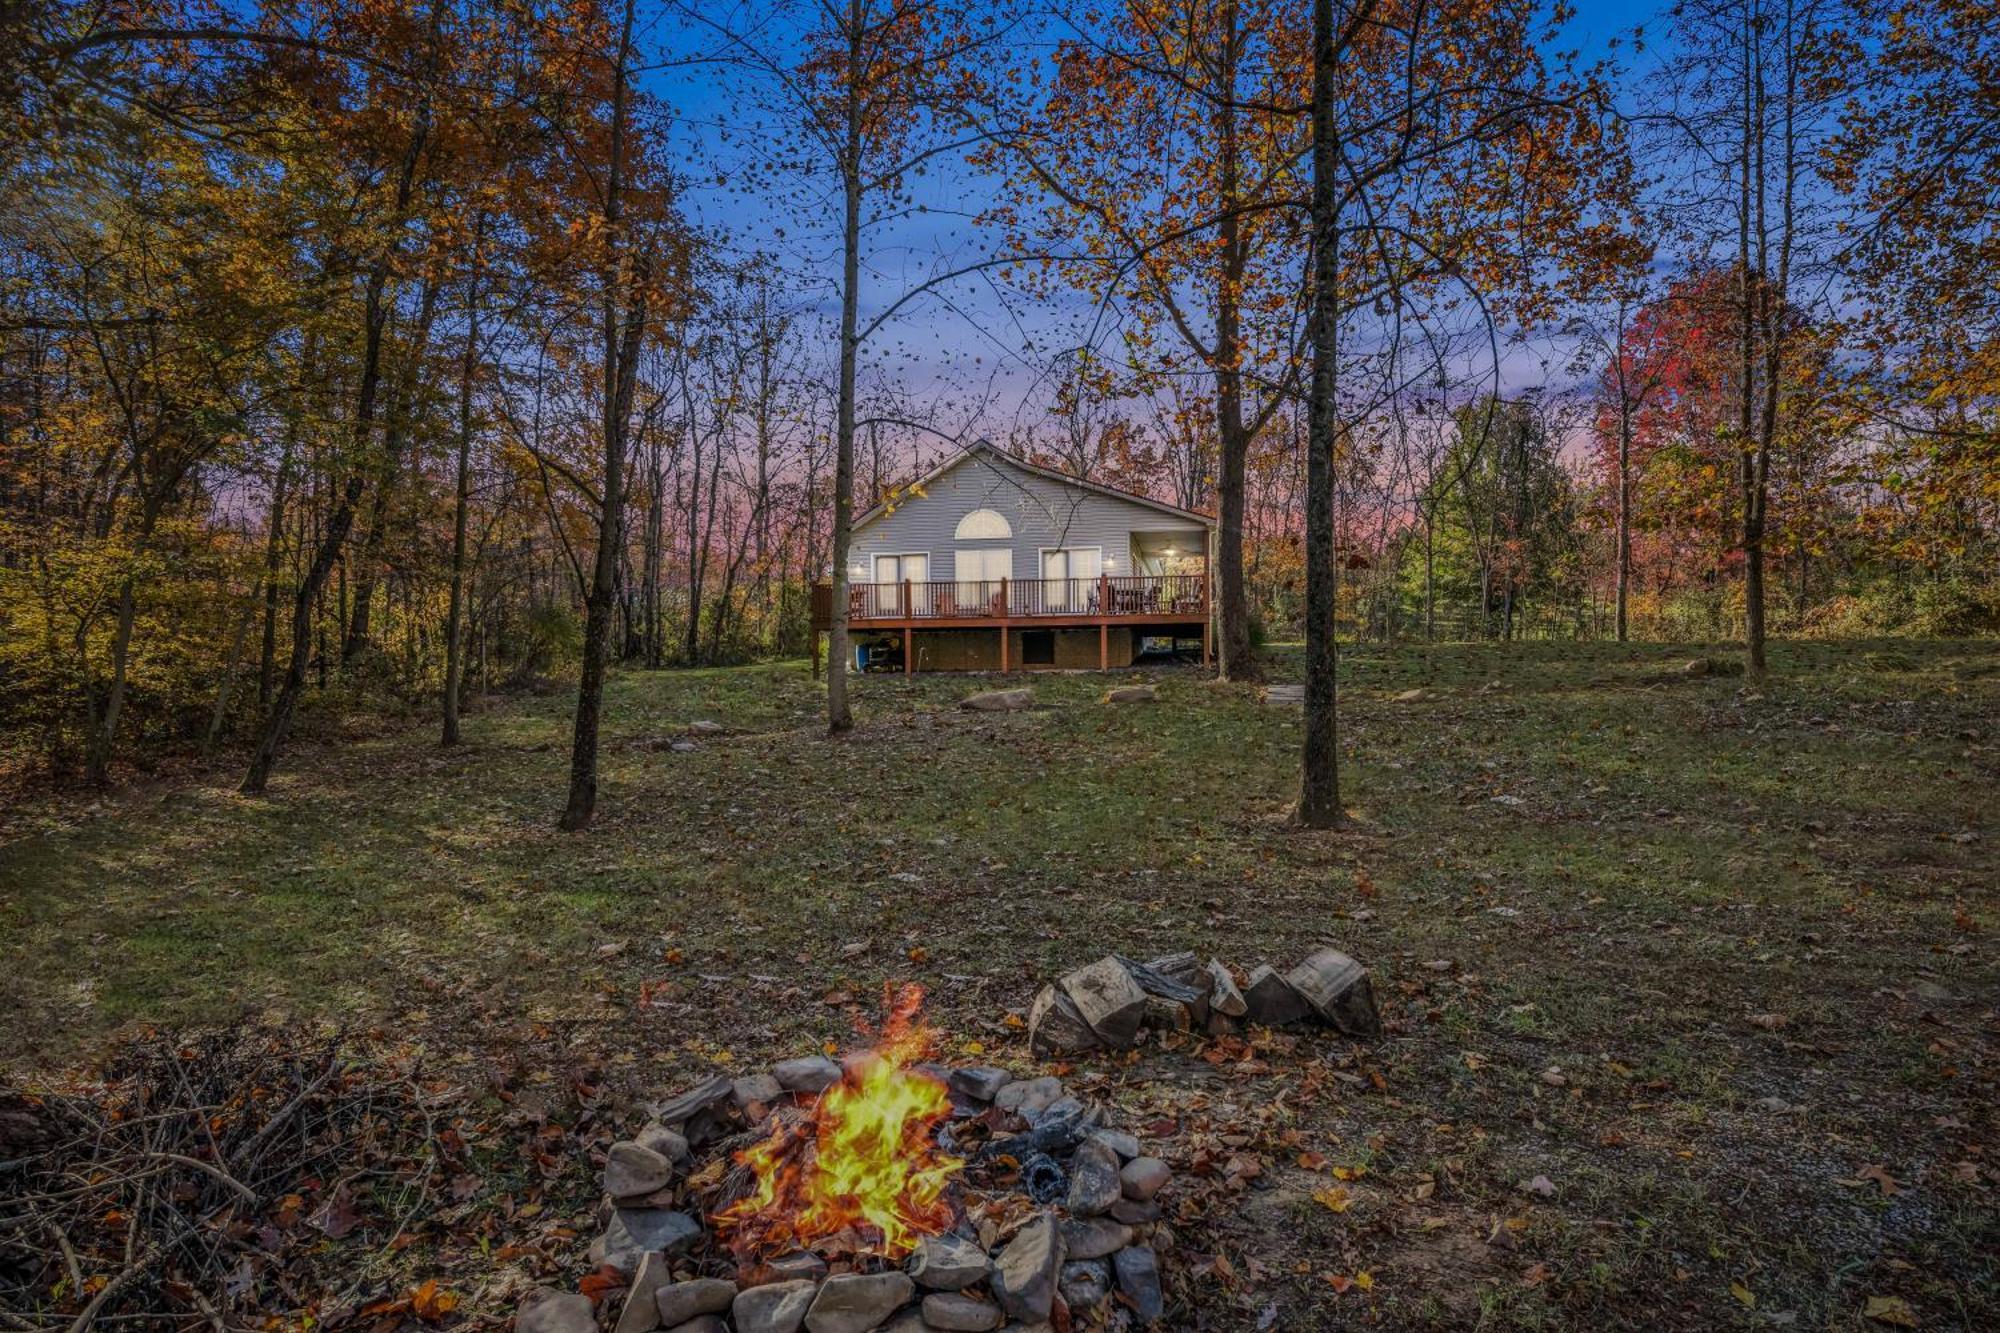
(976,355)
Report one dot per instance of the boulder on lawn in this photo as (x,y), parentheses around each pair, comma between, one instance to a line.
(1133,694)
(1272,1000)
(1109,999)
(1054,1024)
(998,701)
(1337,989)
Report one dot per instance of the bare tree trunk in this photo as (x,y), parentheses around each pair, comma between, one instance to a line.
(454,621)
(621,364)
(1233,436)
(375,319)
(368,557)
(839,717)
(227,684)
(1319,792)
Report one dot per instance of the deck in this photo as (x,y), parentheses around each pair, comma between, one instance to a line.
(1132,600)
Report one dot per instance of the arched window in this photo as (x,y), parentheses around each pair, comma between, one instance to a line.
(983,525)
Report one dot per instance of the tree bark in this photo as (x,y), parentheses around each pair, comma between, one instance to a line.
(622,286)
(1319,794)
(454,622)
(839,717)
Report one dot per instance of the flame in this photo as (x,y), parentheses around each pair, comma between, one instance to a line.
(865,1160)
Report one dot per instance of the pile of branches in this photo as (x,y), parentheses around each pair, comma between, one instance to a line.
(195,1182)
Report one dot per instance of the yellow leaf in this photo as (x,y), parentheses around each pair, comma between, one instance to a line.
(1333,1198)
(1743,1294)
(1890,1310)
(1365,1280)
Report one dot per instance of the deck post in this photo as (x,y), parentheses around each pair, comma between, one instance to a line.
(1103,625)
(1003,626)
(909,656)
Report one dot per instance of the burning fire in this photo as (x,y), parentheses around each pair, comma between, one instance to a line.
(863,1162)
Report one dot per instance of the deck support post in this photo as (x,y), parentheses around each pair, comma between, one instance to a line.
(1103,646)
(1003,626)
(909,656)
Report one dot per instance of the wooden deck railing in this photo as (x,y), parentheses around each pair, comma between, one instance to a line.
(1108,596)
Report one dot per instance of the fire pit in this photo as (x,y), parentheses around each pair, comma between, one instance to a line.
(880,1191)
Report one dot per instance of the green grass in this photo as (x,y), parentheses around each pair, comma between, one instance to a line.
(1671,857)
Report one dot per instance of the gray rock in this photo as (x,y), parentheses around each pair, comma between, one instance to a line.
(635,1231)
(1125,1145)
(1085,1283)
(679,1302)
(702,1323)
(1111,1002)
(1055,1024)
(1142,1177)
(998,701)
(705,727)
(1338,990)
(1030,1096)
(1138,1270)
(947,1263)
(1062,1108)
(1133,694)
(632,1170)
(1134,1213)
(856,1302)
(547,1310)
(1223,996)
(959,1313)
(706,1095)
(779,1307)
(1094,1237)
(756,1090)
(909,1321)
(1094,1183)
(1271,1000)
(795,1266)
(979,1082)
(668,1143)
(640,1314)
(809,1074)
(1024,1279)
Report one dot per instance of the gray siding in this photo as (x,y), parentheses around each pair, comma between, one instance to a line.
(1042,512)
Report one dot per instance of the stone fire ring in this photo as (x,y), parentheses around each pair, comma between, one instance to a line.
(1086,1246)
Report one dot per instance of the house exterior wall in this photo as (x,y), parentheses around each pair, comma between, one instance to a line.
(1043,513)
(979,649)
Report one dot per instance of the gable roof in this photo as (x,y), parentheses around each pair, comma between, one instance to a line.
(1000,456)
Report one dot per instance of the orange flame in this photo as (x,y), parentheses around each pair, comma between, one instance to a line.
(865,1161)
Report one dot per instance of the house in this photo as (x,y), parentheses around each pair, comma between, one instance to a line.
(991,563)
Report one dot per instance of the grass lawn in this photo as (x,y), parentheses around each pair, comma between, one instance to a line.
(1690,988)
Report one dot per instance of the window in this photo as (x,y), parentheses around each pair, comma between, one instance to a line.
(1069,576)
(980,570)
(885,595)
(983,525)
